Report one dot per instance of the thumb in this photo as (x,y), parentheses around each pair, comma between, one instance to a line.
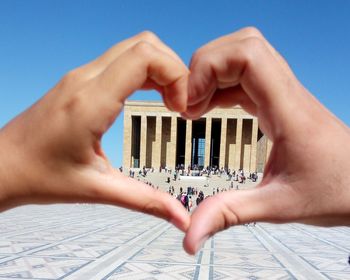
(114,188)
(231,208)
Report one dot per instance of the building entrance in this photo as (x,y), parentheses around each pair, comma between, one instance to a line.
(180,142)
(215,143)
(198,143)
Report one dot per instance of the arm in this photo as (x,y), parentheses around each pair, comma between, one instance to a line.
(52,152)
(304,178)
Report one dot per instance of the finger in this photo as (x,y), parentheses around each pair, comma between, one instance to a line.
(250,64)
(149,84)
(223,98)
(234,208)
(130,72)
(97,66)
(117,189)
(242,34)
(229,97)
(142,62)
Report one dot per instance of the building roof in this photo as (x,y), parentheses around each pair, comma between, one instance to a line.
(155,108)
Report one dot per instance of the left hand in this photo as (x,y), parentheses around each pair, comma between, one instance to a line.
(52,152)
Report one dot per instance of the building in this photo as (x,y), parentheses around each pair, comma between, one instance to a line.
(155,136)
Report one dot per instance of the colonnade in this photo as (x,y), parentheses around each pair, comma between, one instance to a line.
(154,139)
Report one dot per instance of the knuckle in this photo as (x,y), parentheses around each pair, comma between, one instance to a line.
(154,208)
(148,36)
(72,77)
(252,48)
(229,216)
(225,217)
(252,31)
(253,43)
(143,48)
(200,56)
(72,90)
(71,104)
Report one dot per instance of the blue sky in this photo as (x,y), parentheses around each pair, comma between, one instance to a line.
(41,40)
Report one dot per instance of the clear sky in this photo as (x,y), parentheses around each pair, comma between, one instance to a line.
(41,40)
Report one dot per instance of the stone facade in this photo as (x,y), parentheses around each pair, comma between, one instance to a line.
(155,136)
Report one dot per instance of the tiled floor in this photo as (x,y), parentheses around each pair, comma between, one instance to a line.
(104,242)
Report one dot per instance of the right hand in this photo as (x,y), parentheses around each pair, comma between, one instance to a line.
(307,177)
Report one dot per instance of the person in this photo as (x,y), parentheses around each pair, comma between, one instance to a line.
(303,179)
(52,152)
(190,203)
(185,201)
(200,197)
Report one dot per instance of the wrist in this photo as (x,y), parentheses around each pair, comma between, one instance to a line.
(10,172)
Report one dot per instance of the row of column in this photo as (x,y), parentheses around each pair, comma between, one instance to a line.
(171,146)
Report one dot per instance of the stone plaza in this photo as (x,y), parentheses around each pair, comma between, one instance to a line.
(83,241)
(100,242)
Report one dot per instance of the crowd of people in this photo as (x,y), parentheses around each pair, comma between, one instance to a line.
(186,197)
(231,175)
(191,196)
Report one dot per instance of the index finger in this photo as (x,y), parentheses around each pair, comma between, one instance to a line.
(249,64)
(98,65)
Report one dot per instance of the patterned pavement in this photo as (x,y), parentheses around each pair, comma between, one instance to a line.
(103,242)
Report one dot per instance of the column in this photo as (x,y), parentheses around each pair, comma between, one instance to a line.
(157,144)
(171,152)
(223,140)
(253,151)
(143,141)
(208,122)
(127,141)
(231,143)
(268,149)
(238,144)
(188,144)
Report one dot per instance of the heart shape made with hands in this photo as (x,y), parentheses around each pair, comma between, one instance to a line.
(244,69)
(241,68)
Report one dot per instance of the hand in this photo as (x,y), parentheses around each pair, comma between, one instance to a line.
(52,152)
(307,176)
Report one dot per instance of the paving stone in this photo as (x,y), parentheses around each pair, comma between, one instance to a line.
(83,241)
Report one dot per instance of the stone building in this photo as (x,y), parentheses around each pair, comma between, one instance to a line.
(155,136)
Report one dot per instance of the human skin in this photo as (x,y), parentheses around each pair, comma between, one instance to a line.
(306,178)
(52,152)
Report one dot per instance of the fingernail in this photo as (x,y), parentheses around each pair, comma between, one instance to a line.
(188,115)
(184,116)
